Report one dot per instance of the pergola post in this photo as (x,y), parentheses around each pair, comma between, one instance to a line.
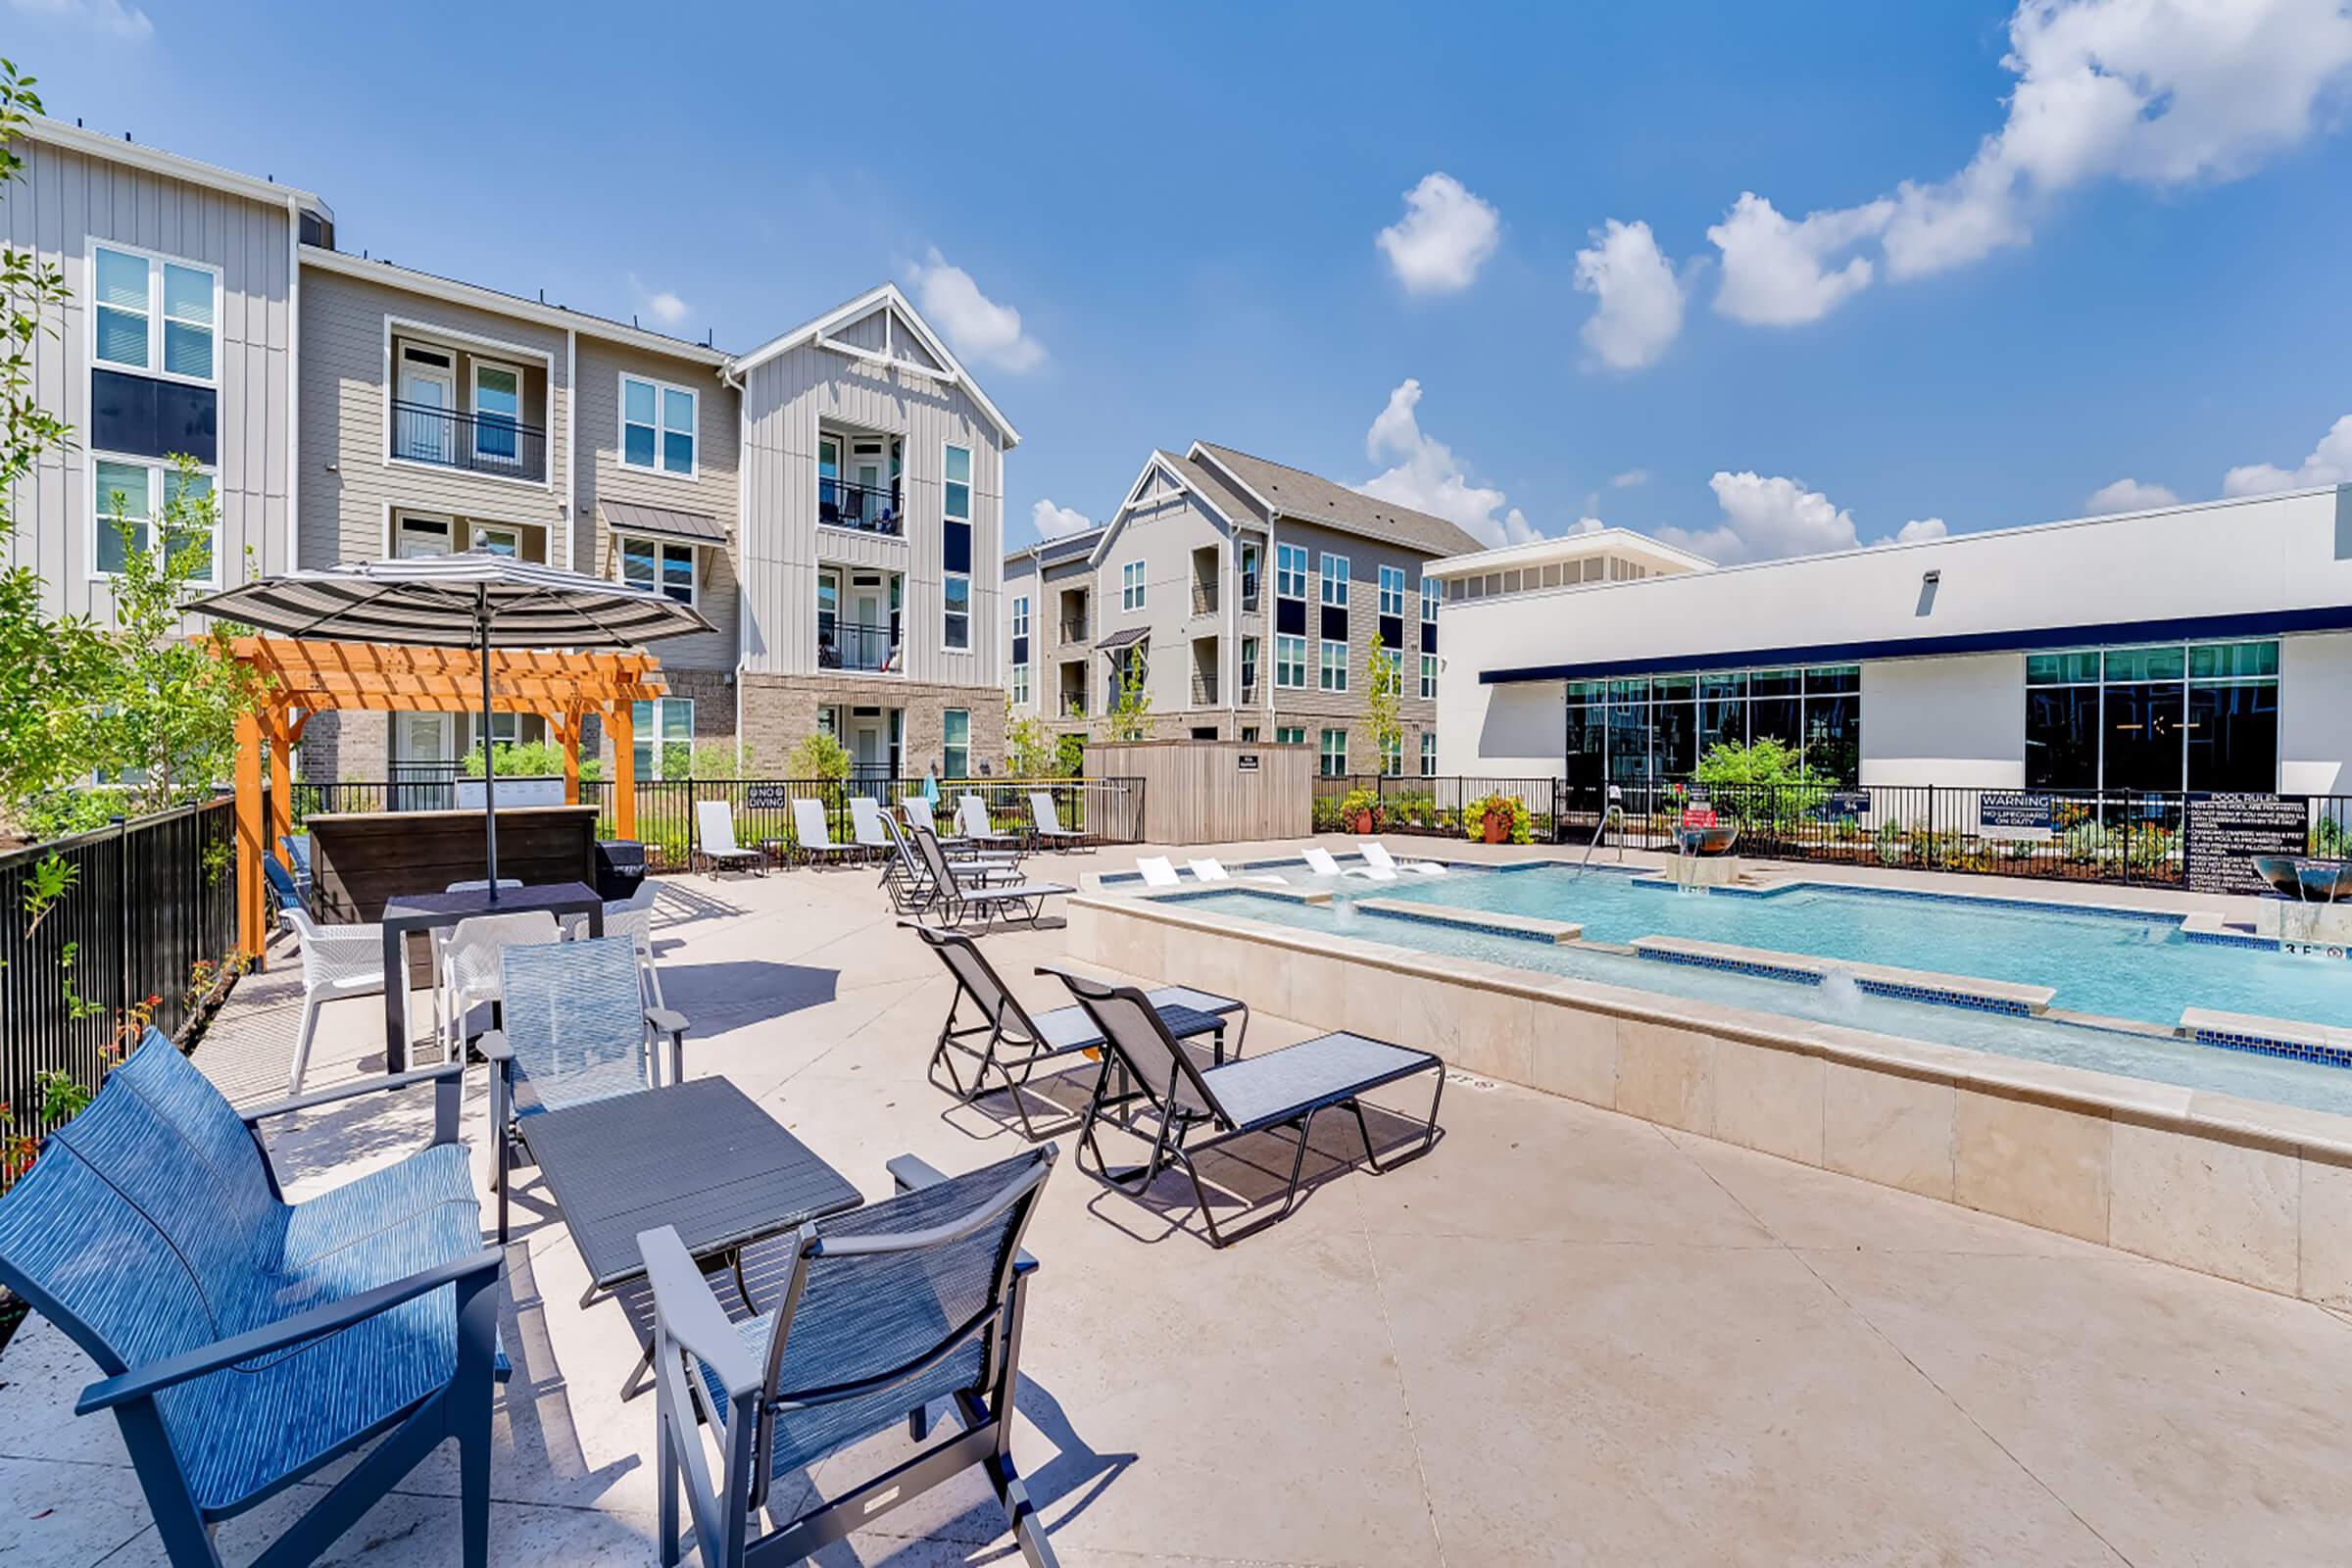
(281,787)
(252,906)
(623,728)
(567,725)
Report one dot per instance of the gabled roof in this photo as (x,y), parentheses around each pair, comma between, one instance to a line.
(459,292)
(1213,487)
(864,305)
(1290,492)
(171,165)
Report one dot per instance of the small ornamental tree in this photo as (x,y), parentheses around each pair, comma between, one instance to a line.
(819,756)
(1030,748)
(1381,707)
(1130,716)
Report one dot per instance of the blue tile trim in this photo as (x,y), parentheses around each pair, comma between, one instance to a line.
(1658,884)
(1465,921)
(1746,966)
(2267,1045)
(1943,996)
(2232,938)
(2107,912)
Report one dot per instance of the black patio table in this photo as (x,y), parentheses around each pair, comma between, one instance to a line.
(431,911)
(699,1156)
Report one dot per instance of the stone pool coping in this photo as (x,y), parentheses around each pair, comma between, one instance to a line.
(1880,979)
(2245,1189)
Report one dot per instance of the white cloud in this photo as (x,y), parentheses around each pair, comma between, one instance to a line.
(1427,477)
(2163,93)
(2129,495)
(1587,525)
(1766,519)
(2330,463)
(1778,273)
(1919,530)
(1445,235)
(1641,309)
(1629,478)
(976,326)
(109,17)
(1053,521)
(664,307)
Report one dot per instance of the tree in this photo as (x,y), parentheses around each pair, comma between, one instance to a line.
(1381,704)
(819,756)
(1130,716)
(1030,748)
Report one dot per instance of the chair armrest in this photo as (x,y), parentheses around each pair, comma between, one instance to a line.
(448,1078)
(668,1022)
(317,1323)
(493,1043)
(685,1309)
(911,1173)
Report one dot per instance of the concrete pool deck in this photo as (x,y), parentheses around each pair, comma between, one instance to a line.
(1567,1335)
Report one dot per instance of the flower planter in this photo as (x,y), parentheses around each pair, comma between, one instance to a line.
(1498,829)
(1361,824)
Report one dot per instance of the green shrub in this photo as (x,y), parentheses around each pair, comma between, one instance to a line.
(527,760)
(1511,808)
(819,756)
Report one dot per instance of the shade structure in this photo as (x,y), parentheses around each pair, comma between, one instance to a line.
(476,599)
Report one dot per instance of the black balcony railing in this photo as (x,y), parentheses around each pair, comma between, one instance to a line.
(1204,688)
(1074,631)
(479,443)
(845,644)
(1072,705)
(866,508)
(1205,598)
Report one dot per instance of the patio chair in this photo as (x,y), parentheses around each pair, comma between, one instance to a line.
(574,1028)
(977,831)
(469,975)
(245,1344)
(1378,858)
(1013,1043)
(957,893)
(912,887)
(289,893)
(888,1310)
(715,845)
(917,811)
(631,918)
(1209,868)
(1287,1087)
(296,847)
(1048,822)
(815,835)
(1319,861)
(1158,871)
(337,960)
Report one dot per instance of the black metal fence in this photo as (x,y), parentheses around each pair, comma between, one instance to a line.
(142,903)
(479,443)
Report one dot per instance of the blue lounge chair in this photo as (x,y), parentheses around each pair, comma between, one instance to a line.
(888,1310)
(245,1341)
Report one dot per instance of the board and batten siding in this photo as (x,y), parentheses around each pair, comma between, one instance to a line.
(1161,528)
(782,545)
(711,490)
(68,198)
(1197,792)
(346,377)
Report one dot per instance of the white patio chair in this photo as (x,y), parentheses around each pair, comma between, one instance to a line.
(1378,858)
(715,843)
(813,835)
(470,966)
(1209,868)
(1047,821)
(973,825)
(337,960)
(1158,871)
(1319,861)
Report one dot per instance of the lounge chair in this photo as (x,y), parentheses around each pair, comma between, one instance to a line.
(957,893)
(296,847)
(715,845)
(1012,1043)
(813,835)
(337,960)
(910,885)
(888,1310)
(1378,858)
(1158,871)
(289,893)
(972,825)
(1286,1087)
(575,1029)
(917,811)
(245,1344)
(1319,861)
(1209,868)
(1048,822)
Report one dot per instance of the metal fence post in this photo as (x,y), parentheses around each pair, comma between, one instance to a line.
(121,829)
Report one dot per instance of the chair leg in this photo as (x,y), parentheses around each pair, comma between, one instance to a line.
(302,1045)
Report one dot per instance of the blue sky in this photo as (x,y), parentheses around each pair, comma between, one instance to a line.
(2140,275)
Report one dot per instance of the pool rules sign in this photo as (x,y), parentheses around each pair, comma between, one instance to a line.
(2224,833)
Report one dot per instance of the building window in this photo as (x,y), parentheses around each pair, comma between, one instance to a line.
(658,563)
(1290,734)
(1335,753)
(1392,591)
(1131,585)
(1290,572)
(658,426)
(1431,591)
(2166,718)
(1335,580)
(955,496)
(956,751)
(1289,662)
(1653,729)
(1020,615)
(1248,665)
(152,313)
(955,630)
(1249,576)
(665,736)
(1020,685)
(955,527)
(1429,677)
(1333,675)
(1391,757)
(1428,754)
(133,490)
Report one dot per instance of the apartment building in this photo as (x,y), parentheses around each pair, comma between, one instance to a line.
(831,501)
(1249,594)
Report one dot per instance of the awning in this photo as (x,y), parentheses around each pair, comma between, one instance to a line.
(626,517)
(1122,639)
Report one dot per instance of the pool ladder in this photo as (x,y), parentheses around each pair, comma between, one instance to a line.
(1615,808)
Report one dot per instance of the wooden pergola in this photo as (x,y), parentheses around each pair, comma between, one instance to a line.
(302,679)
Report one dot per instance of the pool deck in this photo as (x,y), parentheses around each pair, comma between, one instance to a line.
(1564,1336)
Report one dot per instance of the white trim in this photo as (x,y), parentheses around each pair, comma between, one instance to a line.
(620,428)
(1576,547)
(693,561)
(293,371)
(154,311)
(157,469)
(810,332)
(172,166)
(1322,644)
(389,542)
(473,390)
(452,292)
(1157,460)
(1324,579)
(1199,452)
(571,419)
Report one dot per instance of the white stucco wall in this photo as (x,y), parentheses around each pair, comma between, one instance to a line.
(2315,714)
(1956,720)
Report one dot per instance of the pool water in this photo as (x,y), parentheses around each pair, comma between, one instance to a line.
(2136,967)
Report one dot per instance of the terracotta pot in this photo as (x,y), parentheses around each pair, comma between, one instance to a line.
(1498,828)
(1364,822)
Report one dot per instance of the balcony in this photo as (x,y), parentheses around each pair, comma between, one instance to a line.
(1204,688)
(1072,705)
(847,645)
(864,507)
(1205,597)
(1074,631)
(476,443)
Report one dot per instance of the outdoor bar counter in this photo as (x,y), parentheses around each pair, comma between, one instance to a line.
(360,859)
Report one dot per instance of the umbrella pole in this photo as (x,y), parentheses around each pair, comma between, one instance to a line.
(489,756)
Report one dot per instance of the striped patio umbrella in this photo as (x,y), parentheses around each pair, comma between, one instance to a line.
(477,599)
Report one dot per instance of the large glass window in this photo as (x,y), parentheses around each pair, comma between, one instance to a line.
(1332,673)
(1392,591)
(955,760)
(2158,717)
(1429,677)
(1289,662)
(1131,586)
(956,625)
(1656,728)
(665,735)
(656,425)
(1335,580)
(134,490)
(152,313)
(659,565)
(1428,754)
(1290,572)
(1335,753)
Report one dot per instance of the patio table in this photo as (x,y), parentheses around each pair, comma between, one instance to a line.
(431,911)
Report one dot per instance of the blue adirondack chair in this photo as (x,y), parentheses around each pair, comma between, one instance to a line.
(247,1342)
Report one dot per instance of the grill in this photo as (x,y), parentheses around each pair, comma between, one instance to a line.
(619,868)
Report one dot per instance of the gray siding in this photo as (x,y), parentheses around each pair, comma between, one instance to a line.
(711,491)
(346,397)
(1315,706)
(68,198)
(1161,528)
(1020,582)
(783,400)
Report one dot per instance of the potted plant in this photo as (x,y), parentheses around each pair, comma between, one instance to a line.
(1359,809)
(1497,819)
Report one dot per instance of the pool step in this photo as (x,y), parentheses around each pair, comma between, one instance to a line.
(1524,927)
(1876,979)
(2268,1037)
